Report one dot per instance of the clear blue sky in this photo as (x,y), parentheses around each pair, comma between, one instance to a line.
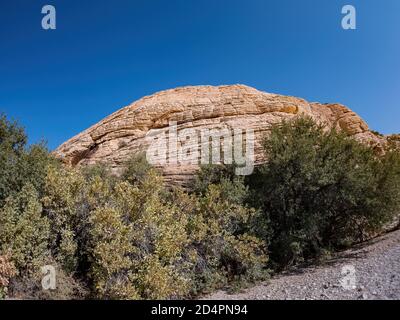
(106,54)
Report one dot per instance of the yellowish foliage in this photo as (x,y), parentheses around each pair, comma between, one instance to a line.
(24,231)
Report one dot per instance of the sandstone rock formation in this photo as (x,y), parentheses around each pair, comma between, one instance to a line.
(132,128)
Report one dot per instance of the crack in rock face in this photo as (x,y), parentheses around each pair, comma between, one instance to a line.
(196,109)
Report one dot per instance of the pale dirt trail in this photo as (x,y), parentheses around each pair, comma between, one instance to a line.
(377,276)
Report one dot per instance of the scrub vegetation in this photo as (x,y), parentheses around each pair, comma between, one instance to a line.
(132,237)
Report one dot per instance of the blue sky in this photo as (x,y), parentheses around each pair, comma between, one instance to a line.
(106,54)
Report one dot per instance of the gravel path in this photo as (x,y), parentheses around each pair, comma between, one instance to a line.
(373,272)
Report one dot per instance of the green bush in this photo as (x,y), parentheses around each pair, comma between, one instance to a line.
(229,249)
(24,230)
(232,186)
(135,239)
(19,164)
(225,219)
(131,237)
(136,169)
(320,189)
(123,238)
(170,245)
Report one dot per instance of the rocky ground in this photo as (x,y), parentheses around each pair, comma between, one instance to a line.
(368,271)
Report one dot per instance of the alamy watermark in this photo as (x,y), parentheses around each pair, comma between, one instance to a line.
(49,20)
(191,146)
(49,281)
(349,21)
(349,280)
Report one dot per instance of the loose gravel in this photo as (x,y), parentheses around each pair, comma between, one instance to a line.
(370,271)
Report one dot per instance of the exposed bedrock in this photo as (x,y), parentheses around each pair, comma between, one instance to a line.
(132,129)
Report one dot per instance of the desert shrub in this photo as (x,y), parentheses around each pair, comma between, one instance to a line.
(29,286)
(224,218)
(232,186)
(7,271)
(24,230)
(99,170)
(136,169)
(227,249)
(32,167)
(320,189)
(19,164)
(111,268)
(77,203)
(152,244)
(12,143)
(65,206)
(137,241)
(118,238)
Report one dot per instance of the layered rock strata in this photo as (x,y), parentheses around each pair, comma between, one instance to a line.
(133,128)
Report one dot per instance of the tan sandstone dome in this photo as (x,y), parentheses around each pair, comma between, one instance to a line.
(131,129)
